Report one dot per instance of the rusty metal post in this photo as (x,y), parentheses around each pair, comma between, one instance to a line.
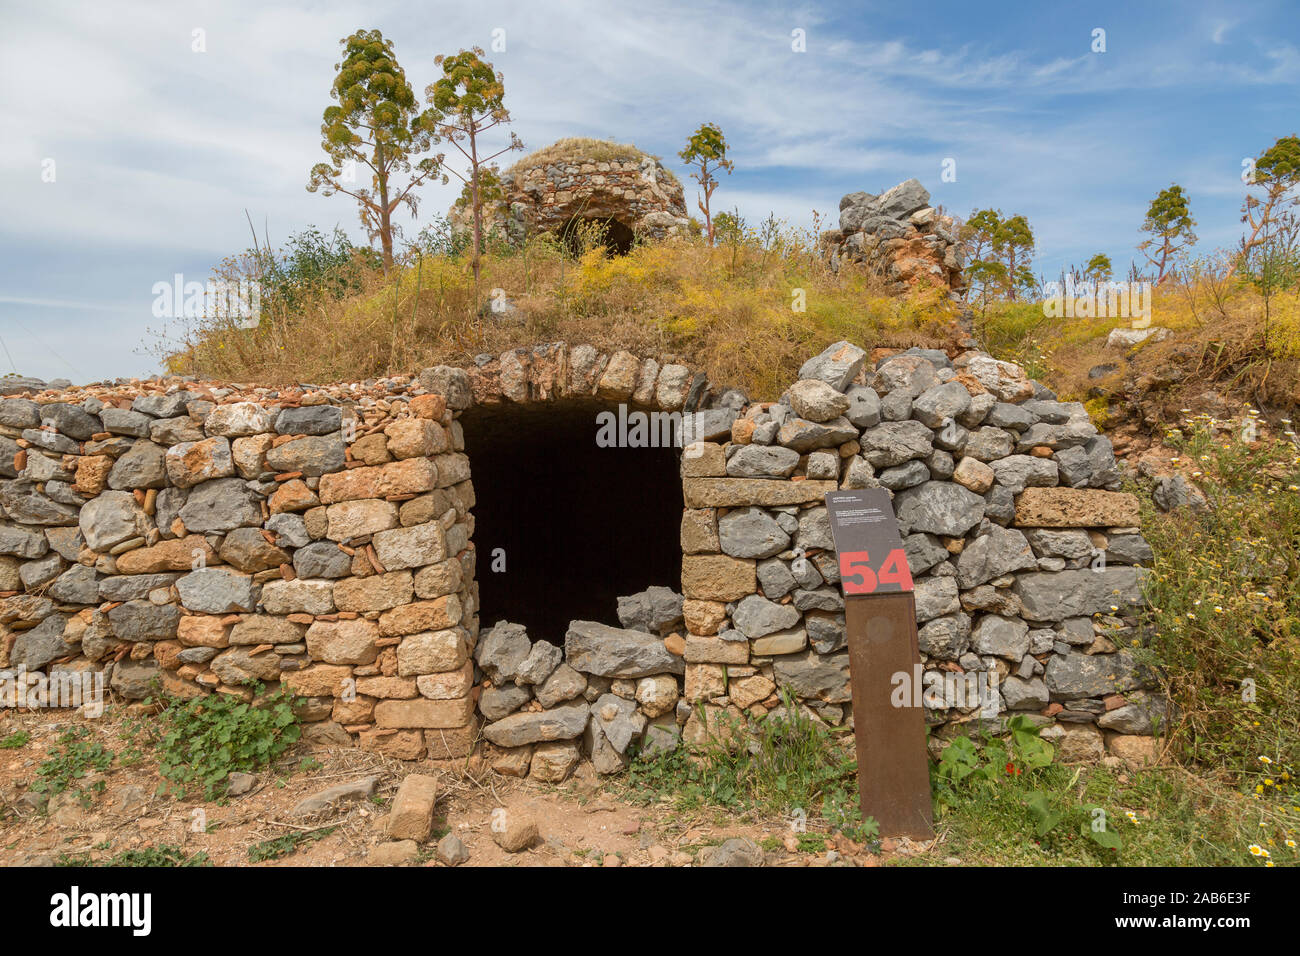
(884,663)
(888,720)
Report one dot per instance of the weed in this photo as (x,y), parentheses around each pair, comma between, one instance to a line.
(1223,607)
(149,856)
(277,847)
(76,755)
(206,739)
(786,764)
(1017,779)
(15,740)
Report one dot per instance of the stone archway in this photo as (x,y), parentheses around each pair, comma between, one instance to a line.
(604,666)
(574,453)
(616,235)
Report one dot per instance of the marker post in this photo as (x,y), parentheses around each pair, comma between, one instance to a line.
(880,628)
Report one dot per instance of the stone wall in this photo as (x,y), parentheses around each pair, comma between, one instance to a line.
(1024,553)
(189,537)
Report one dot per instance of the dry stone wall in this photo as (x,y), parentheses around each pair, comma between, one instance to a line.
(189,538)
(184,539)
(1026,557)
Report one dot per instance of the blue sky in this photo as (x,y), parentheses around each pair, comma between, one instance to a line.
(158,150)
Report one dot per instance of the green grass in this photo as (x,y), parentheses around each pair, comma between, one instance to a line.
(1181,821)
(787,765)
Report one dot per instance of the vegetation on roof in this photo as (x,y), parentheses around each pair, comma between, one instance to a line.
(579,149)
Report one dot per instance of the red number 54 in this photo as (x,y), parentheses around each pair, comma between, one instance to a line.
(859,577)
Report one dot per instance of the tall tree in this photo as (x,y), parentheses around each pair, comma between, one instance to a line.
(376,124)
(1277,174)
(1169,222)
(467,101)
(707,146)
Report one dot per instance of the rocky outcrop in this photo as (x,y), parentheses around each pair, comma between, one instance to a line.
(901,236)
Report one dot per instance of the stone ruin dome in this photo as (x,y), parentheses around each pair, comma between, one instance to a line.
(584,180)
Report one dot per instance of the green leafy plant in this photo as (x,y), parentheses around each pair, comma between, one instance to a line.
(149,856)
(206,739)
(15,740)
(1017,769)
(963,763)
(76,755)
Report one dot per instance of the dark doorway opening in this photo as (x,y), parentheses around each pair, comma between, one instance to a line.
(578,524)
(617,236)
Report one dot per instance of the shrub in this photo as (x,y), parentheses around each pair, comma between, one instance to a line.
(729,311)
(1224,607)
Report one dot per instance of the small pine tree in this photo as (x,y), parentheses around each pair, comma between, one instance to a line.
(1277,174)
(1098,269)
(1169,222)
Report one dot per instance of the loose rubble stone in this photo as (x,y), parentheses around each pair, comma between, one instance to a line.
(817,401)
(411,816)
(837,365)
(331,797)
(563,722)
(594,648)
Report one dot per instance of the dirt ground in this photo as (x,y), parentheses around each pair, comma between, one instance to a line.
(586,821)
